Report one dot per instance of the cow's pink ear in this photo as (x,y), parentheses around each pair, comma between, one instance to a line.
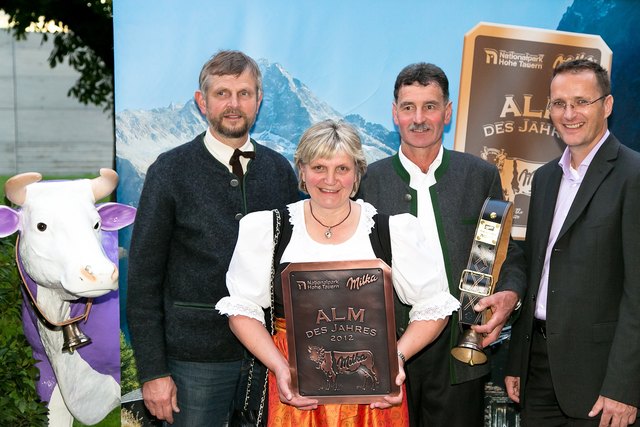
(116,215)
(9,221)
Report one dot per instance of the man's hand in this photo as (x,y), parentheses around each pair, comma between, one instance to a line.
(161,398)
(502,305)
(614,413)
(513,388)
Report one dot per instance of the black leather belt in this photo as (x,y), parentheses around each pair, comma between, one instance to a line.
(540,326)
(488,252)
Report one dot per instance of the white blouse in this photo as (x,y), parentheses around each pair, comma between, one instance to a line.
(418,278)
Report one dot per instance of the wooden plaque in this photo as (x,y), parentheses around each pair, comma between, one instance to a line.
(341,330)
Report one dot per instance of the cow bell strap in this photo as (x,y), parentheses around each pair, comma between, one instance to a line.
(488,252)
(83,316)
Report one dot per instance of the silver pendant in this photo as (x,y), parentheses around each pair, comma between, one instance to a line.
(328,233)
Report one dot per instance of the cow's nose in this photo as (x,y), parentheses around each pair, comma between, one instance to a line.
(87,273)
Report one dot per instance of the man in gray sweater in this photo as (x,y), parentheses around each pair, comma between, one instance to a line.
(446,190)
(189,362)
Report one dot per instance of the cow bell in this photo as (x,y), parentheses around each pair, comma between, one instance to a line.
(469,348)
(73,337)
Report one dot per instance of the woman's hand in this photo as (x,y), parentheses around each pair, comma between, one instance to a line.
(392,399)
(287,396)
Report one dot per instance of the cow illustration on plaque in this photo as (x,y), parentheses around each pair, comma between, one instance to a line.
(337,363)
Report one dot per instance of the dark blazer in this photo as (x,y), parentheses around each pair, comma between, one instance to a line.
(593,305)
(463,182)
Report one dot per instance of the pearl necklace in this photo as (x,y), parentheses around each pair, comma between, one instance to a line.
(328,232)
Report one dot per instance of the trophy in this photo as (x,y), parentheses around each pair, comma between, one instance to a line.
(341,330)
(478,280)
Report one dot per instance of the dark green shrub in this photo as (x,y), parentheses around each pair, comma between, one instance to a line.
(128,370)
(19,402)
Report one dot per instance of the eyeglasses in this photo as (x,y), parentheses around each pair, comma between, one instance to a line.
(580,105)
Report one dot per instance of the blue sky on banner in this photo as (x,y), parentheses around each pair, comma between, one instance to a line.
(347,52)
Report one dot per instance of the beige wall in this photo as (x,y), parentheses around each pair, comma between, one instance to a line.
(41,128)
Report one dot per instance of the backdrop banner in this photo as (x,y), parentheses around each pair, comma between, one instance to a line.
(504,92)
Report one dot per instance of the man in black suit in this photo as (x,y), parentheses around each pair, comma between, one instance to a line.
(575,350)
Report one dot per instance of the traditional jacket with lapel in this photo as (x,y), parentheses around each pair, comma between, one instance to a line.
(463,182)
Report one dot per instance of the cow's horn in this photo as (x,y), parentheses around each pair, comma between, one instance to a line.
(16,187)
(103,185)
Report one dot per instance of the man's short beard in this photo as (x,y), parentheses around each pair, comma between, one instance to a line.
(237,132)
(231,132)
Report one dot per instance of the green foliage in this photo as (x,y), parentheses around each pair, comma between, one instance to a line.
(18,398)
(88,45)
(128,370)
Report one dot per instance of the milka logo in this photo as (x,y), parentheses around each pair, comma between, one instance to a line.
(509,58)
(356,282)
(563,58)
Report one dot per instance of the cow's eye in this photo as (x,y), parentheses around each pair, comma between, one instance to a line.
(97,226)
(41,226)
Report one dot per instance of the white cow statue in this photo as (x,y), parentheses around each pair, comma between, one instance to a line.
(67,253)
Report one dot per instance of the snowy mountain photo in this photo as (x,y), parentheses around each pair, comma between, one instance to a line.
(288,109)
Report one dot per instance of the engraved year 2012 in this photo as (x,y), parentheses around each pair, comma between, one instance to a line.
(339,338)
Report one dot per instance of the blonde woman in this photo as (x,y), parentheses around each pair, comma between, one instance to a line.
(329,226)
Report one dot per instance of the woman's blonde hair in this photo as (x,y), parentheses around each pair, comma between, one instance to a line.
(324,140)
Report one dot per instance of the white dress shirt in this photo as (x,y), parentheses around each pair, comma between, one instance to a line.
(569,186)
(222,152)
(421,182)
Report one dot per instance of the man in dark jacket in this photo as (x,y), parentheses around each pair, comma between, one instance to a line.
(573,359)
(446,190)
(193,197)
